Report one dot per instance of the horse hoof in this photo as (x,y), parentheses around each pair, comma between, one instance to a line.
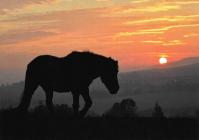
(82,114)
(77,116)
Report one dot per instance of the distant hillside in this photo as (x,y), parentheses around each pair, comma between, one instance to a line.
(186,61)
(174,88)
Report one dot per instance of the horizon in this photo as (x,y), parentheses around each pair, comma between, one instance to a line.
(182,62)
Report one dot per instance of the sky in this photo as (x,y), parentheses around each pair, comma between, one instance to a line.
(135,32)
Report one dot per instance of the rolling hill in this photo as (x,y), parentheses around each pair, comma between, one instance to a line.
(174,88)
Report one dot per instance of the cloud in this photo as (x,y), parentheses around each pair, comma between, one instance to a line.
(165,43)
(191,35)
(173,43)
(102,0)
(127,34)
(153,41)
(139,1)
(61,30)
(146,8)
(157,32)
(20,36)
(170,27)
(183,2)
(6,5)
(166,18)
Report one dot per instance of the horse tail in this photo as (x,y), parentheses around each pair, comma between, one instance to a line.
(29,87)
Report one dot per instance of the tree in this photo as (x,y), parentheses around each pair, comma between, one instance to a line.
(157,111)
(126,108)
(114,111)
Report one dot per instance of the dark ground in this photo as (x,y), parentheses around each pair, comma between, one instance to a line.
(41,126)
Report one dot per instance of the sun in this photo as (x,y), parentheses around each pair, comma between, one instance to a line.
(163,60)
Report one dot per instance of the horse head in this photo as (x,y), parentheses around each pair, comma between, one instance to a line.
(109,75)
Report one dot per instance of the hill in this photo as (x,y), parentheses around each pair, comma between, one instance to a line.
(175,88)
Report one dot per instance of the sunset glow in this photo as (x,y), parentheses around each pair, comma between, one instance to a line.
(127,30)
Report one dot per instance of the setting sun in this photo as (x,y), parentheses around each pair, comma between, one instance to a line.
(163,60)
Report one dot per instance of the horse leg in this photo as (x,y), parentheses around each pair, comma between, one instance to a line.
(29,89)
(75,103)
(88,102)
(49,102)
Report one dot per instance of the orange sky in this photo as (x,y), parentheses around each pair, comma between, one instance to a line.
(136,32)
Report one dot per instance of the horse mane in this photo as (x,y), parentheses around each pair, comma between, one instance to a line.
(90,55)
(87,54)
(84,53)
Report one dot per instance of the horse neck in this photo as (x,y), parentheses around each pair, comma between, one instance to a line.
(99,66)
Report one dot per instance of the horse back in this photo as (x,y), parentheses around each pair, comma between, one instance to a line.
(60,74)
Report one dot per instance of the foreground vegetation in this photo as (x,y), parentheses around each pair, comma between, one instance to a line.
(40,125)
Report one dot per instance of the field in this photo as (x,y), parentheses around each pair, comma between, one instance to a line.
(61,126)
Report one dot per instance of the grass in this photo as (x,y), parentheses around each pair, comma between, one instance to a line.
(39,125)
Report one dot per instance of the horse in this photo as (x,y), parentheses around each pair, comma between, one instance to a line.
(72,73)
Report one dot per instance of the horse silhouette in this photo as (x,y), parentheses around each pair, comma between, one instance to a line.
(74,72)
